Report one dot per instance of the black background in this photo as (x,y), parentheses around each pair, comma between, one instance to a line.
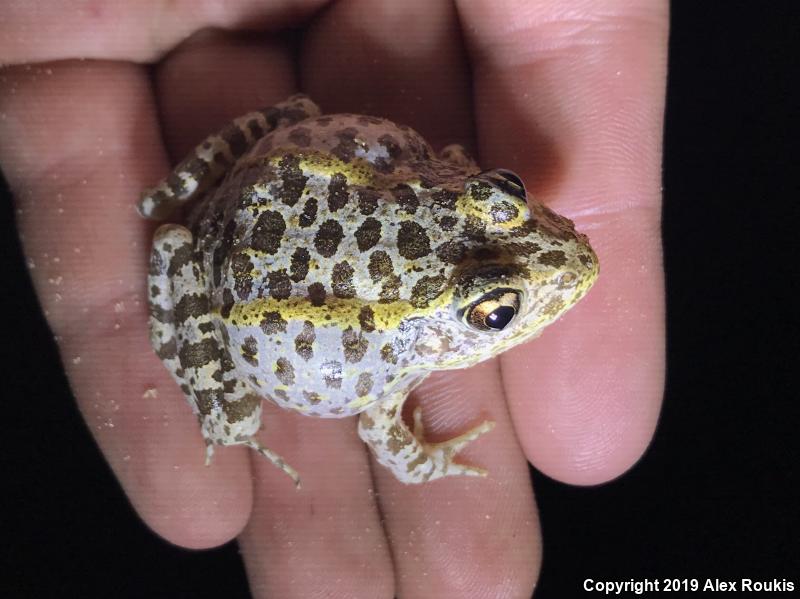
(713,496)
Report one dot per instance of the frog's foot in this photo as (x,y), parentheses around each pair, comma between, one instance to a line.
(410,458)
(273,457)
(446,450)
(253,443)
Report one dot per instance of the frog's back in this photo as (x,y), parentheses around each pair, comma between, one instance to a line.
(318,246)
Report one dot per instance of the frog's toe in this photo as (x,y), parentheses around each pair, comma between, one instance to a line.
(273,457)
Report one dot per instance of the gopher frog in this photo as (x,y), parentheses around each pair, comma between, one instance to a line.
(330,263)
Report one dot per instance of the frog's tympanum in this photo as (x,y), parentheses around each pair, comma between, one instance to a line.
(330,263)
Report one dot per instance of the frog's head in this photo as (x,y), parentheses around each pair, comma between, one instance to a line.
(525,267)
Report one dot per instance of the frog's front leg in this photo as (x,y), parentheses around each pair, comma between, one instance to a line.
(410,458)
(210,160)
(185,337)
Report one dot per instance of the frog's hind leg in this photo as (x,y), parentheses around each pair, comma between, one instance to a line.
(209,161)
(410,458)
(185,337)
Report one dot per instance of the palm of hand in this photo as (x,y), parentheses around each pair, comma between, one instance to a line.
(580,121)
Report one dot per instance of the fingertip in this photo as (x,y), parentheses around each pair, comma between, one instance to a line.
(196,506)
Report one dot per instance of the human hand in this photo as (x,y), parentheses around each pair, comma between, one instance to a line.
(570,96)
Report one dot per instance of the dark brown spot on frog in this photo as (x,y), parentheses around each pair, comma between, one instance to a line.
(312,397)
(337,192)
(426,290)
(284,371)
(398,439)
(328,237)
(272,323)
(180,258)
(250,350)
(417,462)
(299,265)
(525,248)
(413,241)
(354,345)
(586,260)
(294,181)
(300,136)
(524,230)
(554,258)
(237,410)
(198,168)
(406,198)
(380,265)
(208,399)
(234,137)
(160,314)
(451,252)
(268,232)
(309,214)
(393,147)
(364,384)
(388,354)
(342,280)
(503,212)
(156,264)
(390,290)
(304,342)
(475,228)
(168,351)
(445,199)
(447,223)
(155,291)
(280,285)
(316,294)
(332,374)
(227,303)
(206,327)
(345,150)
(222,251)
(193,355)
(280,393)
(366,318)
(367,201)
(368,234)
(176,184)
(192,305)
(255,129)
(242,269)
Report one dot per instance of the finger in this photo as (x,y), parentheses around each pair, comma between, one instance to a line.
(203,85)
(79,143)
(325,539)
(408,65)
(138,31)
(571,95)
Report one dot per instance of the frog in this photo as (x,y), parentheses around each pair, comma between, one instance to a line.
(329,263)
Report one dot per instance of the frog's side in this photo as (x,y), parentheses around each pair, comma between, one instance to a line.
(332,262)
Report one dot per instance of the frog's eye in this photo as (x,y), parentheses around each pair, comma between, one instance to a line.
(493,311)
(506,181)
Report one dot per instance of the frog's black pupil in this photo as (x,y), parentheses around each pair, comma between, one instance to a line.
(500,317)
